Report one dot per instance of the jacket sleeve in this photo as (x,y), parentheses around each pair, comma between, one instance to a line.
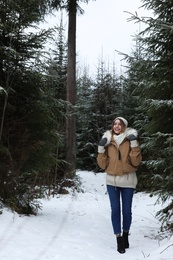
(135,156)
(102,160)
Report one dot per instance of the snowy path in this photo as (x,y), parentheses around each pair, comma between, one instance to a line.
(78,227)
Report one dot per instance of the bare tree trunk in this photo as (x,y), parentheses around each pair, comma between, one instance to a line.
(71,93)
(3,113)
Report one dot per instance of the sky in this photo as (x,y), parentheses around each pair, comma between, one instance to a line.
(103,29)
(77,226)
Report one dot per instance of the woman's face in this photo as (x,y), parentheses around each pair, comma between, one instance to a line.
(117,127)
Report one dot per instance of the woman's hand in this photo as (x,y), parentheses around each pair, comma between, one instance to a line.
(101,145)
(132,136)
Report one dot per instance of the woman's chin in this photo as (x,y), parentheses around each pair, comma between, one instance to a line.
(117,133)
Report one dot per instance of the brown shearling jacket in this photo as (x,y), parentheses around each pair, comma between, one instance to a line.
(119,161)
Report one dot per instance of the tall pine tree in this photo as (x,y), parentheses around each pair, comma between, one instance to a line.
(25,121)
(157,42)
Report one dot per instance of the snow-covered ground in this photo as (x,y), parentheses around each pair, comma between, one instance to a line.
(78,227)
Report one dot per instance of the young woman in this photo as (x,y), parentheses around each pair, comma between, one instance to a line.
(119,155)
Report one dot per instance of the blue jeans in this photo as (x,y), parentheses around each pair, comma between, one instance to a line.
(117,196)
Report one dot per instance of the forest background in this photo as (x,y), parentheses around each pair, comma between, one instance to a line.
(34,108)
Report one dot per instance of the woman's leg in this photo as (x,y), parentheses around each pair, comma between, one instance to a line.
(114,196)
(127,197)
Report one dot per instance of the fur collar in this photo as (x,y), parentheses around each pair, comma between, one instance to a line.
(129,130)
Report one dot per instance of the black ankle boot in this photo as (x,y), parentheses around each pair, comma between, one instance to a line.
(120,245)
(126,240)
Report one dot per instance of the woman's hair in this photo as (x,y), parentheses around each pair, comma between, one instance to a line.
(123,126)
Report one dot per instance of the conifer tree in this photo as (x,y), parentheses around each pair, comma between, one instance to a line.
(106,98)
(56,77)
(71,6)
(157,42)
(85,139)
(134,84)
(99,102)
(25,120)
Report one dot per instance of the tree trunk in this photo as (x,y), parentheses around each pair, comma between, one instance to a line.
(71,94)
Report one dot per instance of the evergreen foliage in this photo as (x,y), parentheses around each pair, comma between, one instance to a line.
(85,139)
(99,102)
(56,77)
(159,102)
(33,105)
(156,96)
(134,108)
(26,120)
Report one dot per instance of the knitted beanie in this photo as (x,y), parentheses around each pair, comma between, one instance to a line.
(122,119)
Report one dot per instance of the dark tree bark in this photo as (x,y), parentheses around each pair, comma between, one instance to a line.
(71,93)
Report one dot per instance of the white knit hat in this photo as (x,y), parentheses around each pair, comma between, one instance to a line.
(122,119)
